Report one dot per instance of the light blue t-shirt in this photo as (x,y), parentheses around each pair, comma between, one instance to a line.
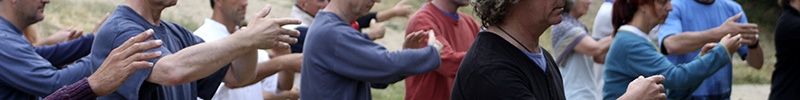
(685,17)
(538,58)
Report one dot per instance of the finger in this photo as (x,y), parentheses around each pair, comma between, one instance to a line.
(661,96)
(264,12)
(286,39)
(144,56)
(135,39)
(281,45)
(728,36)
(372,22)
(415,36)
(737,37)
(284,21)
(138,65)
(746,41)
(660,87)
(749,26)
(735,17)
(289,32)
(657,78)
(77,34)
(142,46)
(431,37)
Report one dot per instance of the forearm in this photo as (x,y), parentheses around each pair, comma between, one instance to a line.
(282,96)
(689,41)
(755,58)
(286,80)
(242,70)
(600,58)
(275,65)
(80,90)
(451,61)
(385,15)
(187,66)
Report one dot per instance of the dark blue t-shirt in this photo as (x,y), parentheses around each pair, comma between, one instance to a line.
(26,75)
(125,23)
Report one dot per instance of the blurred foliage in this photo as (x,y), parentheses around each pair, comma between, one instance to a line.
(763,12)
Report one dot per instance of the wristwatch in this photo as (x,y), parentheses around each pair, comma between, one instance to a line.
(753,46)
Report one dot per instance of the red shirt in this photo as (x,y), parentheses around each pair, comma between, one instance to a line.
(456,34)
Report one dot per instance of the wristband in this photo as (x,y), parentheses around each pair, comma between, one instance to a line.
(753,46)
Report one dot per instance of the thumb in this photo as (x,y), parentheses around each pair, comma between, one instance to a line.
(264,12)
(431,37)
(736,17)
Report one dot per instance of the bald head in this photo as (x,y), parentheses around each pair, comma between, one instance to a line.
(312,6)
(23,13)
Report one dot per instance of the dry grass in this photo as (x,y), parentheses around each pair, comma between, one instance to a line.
(83,14)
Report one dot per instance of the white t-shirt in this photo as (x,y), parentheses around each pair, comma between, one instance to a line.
(212,31)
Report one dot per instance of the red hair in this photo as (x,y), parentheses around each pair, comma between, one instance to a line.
(624,10)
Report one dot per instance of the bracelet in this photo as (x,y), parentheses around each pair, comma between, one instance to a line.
(753,46)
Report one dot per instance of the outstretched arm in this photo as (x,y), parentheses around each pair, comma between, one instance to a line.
(187,65)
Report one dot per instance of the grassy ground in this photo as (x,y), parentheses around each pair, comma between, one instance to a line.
(82,14)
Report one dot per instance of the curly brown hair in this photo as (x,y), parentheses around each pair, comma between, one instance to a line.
(493,12)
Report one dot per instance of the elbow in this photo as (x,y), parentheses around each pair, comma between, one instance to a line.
(168,76)
(670,49)
(173,81)
(234,85)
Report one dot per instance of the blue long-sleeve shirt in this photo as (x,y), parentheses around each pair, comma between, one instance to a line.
(24,74)
(339,62)
(67,52)
(632,56)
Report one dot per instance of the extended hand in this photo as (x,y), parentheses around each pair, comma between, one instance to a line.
(62,36)
(732,27)
(402,9)
(376,31)
(124,61)
(266,33)
(649,88)
(432,40)
(732,44)
(415,40)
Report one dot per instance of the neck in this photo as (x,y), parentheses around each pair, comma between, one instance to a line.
(445,5)
(14,19)
(528,37)
(795,4)
(341,11)
(151,13)
(639,21)
(229,25)
(575,14)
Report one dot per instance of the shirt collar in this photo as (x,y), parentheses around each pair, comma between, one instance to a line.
(6,25)
(454,16)
(214,25)
(634,30)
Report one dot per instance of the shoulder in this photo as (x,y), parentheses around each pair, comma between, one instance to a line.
(116,26)
(489,51)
